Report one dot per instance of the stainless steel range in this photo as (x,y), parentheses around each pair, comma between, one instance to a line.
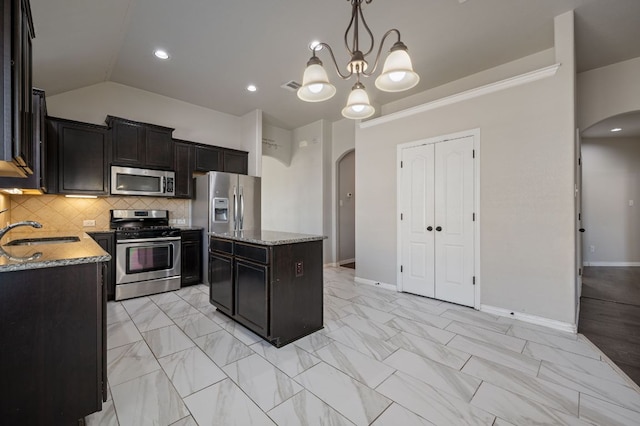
(147,253)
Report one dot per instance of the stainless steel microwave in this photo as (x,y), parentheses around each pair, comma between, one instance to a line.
(132,181)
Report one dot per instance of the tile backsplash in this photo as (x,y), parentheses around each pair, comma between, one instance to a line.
(58,213)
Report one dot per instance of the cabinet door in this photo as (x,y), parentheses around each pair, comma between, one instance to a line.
(158,148)
(191,260)
(236,162)
(221,282)
(37,180)
(83,159)
(106,240)
(128,141)
(251,282)
(22,84)
(183,166)
(208,159)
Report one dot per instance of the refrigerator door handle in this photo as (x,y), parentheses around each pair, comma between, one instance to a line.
(235,209)
(241,224)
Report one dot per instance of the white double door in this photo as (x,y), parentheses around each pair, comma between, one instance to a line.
(438,220)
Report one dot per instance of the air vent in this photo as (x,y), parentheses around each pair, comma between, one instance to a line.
(291,86)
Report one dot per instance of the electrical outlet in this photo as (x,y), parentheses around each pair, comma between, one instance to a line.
(182,221)
(630,203)
(299,269)
(592,249)
(89,222)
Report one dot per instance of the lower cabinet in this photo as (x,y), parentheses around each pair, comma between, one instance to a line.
(107,241)
(274,290)
(53,357)
(252,283)
(191,257)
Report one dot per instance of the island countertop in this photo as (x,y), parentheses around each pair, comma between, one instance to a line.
(19,258)
(267,238)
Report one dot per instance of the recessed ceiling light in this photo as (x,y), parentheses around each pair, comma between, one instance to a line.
(252,88)
(315,43)
(616,129)
(161,54)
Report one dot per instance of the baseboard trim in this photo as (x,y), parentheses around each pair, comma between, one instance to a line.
(611,263)
(331,265)
(533,319)
(342,262)
(375,283)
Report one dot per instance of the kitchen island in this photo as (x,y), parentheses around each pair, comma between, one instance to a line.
(52,327)
(268,281)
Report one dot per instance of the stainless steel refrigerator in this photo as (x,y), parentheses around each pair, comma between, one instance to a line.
(225,203)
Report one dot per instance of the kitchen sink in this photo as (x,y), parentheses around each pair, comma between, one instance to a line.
(44,240)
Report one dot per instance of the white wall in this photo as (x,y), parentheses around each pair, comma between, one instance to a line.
(527,177)
(276,143)
(92,104)
(251,141)
(610,179)
(293,197)
(608,91)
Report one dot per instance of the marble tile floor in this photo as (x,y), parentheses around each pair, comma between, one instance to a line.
(383,358)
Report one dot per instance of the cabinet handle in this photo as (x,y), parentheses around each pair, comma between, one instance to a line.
(429,228)
(438,228)
(581,229)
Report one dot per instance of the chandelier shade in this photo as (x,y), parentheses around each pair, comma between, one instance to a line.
(397,73)
(315,83)
(358,105)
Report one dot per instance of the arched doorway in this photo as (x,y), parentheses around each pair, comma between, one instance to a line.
(610,155)
(346,210)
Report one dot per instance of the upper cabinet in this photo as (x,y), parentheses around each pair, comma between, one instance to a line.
(235,161)
(36,182)
(192,157)
(79,155)
(208,158)
(140,144)
(17,150)
(184,152)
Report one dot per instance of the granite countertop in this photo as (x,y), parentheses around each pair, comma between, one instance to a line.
(18,258)
(268,238)
(190,228)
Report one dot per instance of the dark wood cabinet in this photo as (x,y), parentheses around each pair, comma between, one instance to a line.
(235,162)
(274,290)
(79,155)
(221,281)
(141,145)
(17,150)
(107,241)
(183,166)
(208,158)
(191,257)
(52,331)
(251,286)
(37,180)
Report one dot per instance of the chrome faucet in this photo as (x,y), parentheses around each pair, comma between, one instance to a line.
(8,228)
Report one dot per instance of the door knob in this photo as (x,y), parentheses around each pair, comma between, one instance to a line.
(438,228)
(429,228)
(581,229)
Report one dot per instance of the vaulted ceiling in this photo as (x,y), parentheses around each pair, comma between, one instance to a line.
(219,47)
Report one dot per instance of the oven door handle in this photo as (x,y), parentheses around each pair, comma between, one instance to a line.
(149,240)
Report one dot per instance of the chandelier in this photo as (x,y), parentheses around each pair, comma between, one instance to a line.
(397,73)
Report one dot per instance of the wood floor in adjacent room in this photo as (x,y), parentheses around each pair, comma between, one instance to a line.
(610,314)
